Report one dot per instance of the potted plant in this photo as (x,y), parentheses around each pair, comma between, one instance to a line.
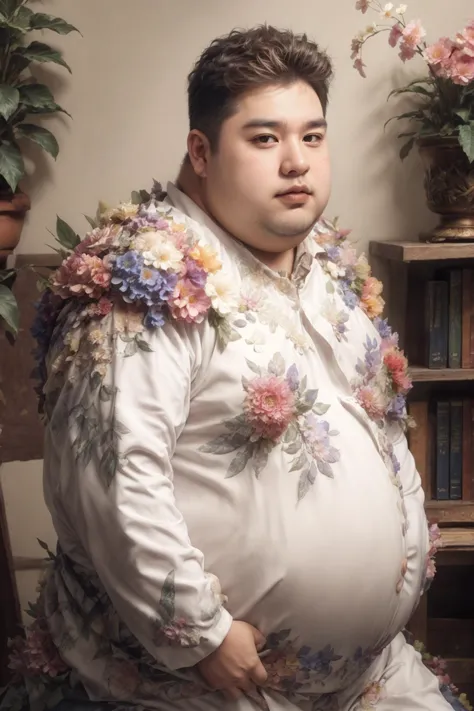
(442,117)
(22,100)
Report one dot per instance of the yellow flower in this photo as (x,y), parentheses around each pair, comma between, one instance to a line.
(206,257)
(362,268)
(124,211)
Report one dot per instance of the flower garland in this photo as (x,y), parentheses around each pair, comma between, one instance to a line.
(382,381)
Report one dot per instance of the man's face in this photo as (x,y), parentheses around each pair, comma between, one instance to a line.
(274,143)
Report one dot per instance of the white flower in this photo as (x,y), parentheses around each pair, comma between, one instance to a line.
(220,289)
(401,9)
(387,11)
(163,255)
(334,270)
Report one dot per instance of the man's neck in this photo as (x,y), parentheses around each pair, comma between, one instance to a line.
(189,183)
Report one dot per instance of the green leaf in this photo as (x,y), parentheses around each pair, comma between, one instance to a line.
(40,52)
(466,139)
(66,235)
(91,221)
(9,309)
(406,148)
(36,96)
(463,114)
(20,20)
(12,167)
(41,21)
(9,99)
(8,7)
(39,135)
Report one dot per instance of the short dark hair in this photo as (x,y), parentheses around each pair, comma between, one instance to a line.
(247,59)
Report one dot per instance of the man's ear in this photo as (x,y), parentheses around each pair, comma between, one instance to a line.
(199,151)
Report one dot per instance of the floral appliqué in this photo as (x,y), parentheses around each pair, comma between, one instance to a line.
(279,409)
(373,693)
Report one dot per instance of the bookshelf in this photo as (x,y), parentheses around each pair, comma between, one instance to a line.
(444,621)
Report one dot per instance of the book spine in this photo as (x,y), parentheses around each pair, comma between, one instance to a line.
(455,315)
(442,450)
(455,449)
(466,318)
(467,459)
(437,322)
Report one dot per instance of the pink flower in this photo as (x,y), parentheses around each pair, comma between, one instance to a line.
(36,654)
(359,65)
(413,33)
(462,68)
(373,401)
(406,52)
(269,406)
(396,364)
(439,52)
(355,47)
(81,275)
(395,34)
(98,240)
(362,5)
(103,307)
(436,541)
(430,569)
(189,303)
(123,678)
(465,40)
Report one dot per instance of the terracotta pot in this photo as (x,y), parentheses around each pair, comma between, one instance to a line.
(12,216)
(449,187)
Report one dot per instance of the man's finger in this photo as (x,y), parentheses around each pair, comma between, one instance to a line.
(258,674)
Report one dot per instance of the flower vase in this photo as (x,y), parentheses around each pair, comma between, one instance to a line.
(449,187)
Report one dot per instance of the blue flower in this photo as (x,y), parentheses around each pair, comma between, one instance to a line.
(350,299)
(292,377)
(333,253)
(154,318)
(396,408)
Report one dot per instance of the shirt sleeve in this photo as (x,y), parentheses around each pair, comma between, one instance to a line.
(131,398)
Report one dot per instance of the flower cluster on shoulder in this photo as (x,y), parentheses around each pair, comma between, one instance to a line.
(136,257)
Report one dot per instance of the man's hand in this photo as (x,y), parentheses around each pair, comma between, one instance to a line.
(235,666)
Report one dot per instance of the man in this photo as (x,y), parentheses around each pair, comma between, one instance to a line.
(224,452)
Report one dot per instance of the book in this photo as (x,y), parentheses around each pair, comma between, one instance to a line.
(467,452)
(467,284)
(442,450)
(455,449)
(436,324)
(455,316)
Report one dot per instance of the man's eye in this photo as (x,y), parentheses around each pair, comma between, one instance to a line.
(313,138)
(265,139)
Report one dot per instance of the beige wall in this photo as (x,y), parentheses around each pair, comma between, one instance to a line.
(127,97)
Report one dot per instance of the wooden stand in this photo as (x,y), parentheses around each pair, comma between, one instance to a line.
(444,621)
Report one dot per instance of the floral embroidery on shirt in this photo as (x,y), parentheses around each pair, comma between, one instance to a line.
(337,317)
(279,408)
(373,693)
(289,666)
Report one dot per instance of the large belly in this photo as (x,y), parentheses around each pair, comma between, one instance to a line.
(320,578)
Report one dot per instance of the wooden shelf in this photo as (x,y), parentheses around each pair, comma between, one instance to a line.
(421,374)
(446,512)
(420,251)
(458,538)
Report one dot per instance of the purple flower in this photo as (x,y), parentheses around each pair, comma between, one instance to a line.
(396,408)
(381,324)
(350,299)
(373,357)
(195,274)
(126,270)
(334,254)
(154,318)
(139,282)
(293,378)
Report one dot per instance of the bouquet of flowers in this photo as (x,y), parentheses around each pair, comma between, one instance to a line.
(445,95)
